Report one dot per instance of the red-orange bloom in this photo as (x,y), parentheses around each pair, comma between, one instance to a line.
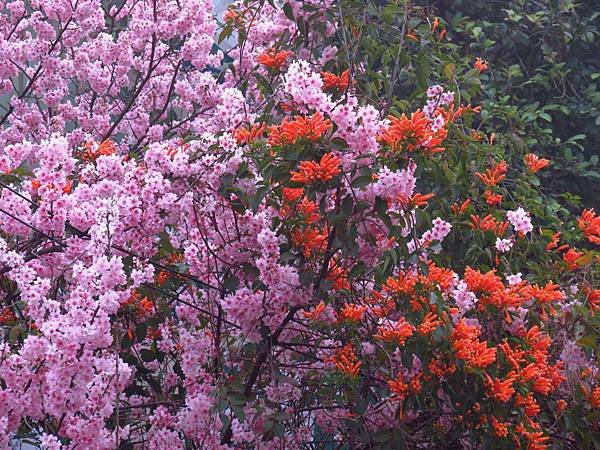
(595,398)
(571,257)
(351,313)
(249,134)
(397,332)
(500,390)
(548,294)
(535,163)
(480,65)
(413,134)
(467,346)
(494,175)
(429,325)
(301,127)
(274,59)
(345,361)
(333,81)
(553,241)
(311,171)
(315,313)
(589,223)
(338,276)
(7,316)
(106,148)
(399,388)
(310,241)
(462,208)
(488,223)
(492,199)
(500,428)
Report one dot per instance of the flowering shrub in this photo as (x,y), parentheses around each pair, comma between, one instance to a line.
(261,256)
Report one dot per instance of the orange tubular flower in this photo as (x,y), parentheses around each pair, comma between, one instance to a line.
(333,81)
(399,388)
(310,241)
(274,59)
(339,277)
(494,175)
(595,398)
(397,332)
(548,294)
(589,223)
(467,346)
(500,428)
(106,148)
(593,299)
(248,135)
(311,171)
(492,199)
(301,127)
(345,361)
(462,208)
(480,65)
(429,325)
(571,257)
(7,316)
(413,134)
(420,199)
(351,313)
(488,223)
(535,163)
(315,313)
(499,390)
(553,241)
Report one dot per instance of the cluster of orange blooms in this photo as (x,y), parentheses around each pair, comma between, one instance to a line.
(105,148)
(488,223)
(589,223)
(412,134)
(534,163)
(493,175)
(345,361)
(333,81)
(323,171)
(301,127)
(141,307)
(274,59)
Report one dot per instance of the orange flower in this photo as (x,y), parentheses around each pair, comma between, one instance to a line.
(462,208)
(467,346)
(339,277)
(399,388)
(345,361)
(311,171)
(589,223)
(310,241)
(106,148)
(273,59)
(351,313)
(593,298)
(535,163)
(494,175)
(315,313)
(492,199)
(547,294)
(561,405)
(248,135)
(429,325)
(302,127)
(499,390)
(488,223)
(333,81)
(481,65)
(500,428)
(140,306)
(7,316)
(553,241)
(397,332)
(413,134)
(571,257)
(529,404)
(163,276)
(420,199)
(595,398)
(536,441)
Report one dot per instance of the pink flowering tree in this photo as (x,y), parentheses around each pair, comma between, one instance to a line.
(257,249)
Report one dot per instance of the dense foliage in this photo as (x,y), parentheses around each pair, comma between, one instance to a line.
(300,225)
